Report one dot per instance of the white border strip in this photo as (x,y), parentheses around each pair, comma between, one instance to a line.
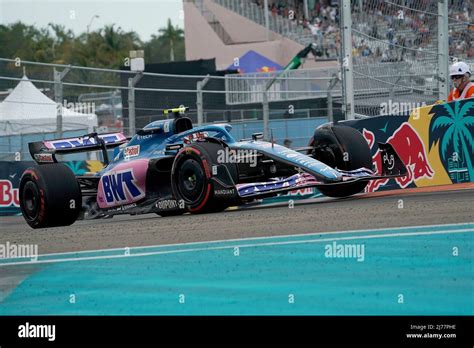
(240,246)
(258,238)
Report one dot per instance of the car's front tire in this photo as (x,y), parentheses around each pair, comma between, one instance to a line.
(344,148)
(191,177)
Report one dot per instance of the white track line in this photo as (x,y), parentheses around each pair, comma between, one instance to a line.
(240,246)
(302,235)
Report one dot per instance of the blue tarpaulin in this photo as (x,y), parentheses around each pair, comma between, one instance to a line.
(254,62)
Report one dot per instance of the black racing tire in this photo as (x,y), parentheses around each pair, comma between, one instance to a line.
(344,148)
(191,177)
(50,196)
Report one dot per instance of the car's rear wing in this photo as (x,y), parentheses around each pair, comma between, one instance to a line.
(45,151)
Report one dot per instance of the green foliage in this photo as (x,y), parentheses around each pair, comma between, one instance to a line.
(166,47)
(104,48)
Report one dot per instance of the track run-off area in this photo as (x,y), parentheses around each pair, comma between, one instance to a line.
(397,253)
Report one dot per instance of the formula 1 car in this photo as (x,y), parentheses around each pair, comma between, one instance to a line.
(170,167)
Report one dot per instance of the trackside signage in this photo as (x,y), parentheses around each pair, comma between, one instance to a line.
(10,175)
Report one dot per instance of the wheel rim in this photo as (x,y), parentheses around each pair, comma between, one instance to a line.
(191,181)
(31,200)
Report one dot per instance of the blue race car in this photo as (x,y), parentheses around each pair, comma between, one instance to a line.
(170,168)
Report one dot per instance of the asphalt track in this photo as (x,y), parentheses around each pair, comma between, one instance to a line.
(255,261)
(367,211)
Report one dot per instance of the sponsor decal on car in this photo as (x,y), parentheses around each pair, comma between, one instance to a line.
(132,151)
(83,141)
(224,192)
(168,204)
(389,160)
(301,192)
(144,137)
(122,208)
(44,157)
(263,144)
(166,127)
(297,180)
(117,186)
(194,137)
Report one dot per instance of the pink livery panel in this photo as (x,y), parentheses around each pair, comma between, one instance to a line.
(124,184)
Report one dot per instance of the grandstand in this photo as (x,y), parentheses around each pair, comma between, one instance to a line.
(384,34)
(378,19)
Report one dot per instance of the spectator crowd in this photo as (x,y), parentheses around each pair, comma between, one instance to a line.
(387,32)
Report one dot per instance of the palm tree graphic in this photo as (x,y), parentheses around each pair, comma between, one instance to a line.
(455,128)
(76,167)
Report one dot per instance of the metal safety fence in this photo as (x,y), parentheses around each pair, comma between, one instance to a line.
(401,50)
(122,100)
(394,51)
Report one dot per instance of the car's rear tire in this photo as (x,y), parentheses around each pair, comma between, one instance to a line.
(344,148)
(191,177)
(50,196)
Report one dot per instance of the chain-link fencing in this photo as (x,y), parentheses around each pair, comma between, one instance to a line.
(121,100)
(399,53)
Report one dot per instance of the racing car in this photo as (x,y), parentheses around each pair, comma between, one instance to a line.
(171,167)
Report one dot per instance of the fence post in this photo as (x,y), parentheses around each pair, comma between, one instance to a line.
(347,65)
(266,115)
(267,28)
(131,107)
(58,98)
(443,50)
(132,82)
(199,103)
(305,9)
(331,84)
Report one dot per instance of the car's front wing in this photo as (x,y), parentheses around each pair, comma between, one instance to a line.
(392,167)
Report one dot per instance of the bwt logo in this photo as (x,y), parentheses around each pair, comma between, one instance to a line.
(64,144)
(80,142)
(8,194)
(116,186)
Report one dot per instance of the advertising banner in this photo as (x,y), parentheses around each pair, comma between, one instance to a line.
(10,174)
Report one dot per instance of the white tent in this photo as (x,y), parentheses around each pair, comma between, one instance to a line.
(26,110)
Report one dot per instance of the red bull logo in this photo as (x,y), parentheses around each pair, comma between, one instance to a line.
(8,194)
(408,145)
